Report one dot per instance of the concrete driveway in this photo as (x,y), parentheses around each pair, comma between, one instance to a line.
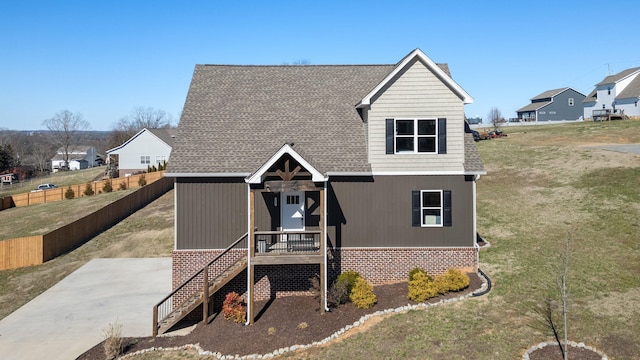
(68,319)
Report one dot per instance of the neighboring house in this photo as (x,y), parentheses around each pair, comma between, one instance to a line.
(617,93)
(149,147)
(80,157)
(556,104)
(324,169)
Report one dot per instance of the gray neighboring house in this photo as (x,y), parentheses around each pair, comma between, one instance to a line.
(149,147)
(314,170)
(553,105)
(618,93)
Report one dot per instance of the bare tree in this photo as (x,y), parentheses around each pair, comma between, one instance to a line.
(139,119)
(41,153)
(495,117)
(65,129)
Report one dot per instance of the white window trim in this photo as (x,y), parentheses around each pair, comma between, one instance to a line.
(415,136)
(143,158)
(441,208)
(571,102)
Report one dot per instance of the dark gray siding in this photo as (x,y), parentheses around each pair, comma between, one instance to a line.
(559,109)
(210,213)
(376,212)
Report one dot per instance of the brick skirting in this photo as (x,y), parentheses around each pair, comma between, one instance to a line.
(377,265)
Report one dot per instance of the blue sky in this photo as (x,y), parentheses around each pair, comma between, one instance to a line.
(102,59)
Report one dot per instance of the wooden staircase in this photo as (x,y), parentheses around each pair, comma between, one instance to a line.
(166,316)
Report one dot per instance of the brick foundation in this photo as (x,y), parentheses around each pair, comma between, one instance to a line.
(377,265)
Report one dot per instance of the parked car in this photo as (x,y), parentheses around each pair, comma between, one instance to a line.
(45,187)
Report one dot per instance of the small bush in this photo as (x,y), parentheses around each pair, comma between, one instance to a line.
(422,288)
(456,280)
(338,293)
(122,186)
(416,270)
(88,190)
(69,194)
(113,342)
(362,295)
(233,308)
(142,181)
(350,278)
(271,330)
(303,325)
(106,187)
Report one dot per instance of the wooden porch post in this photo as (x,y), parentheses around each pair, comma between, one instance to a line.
(252,247)
(323,284)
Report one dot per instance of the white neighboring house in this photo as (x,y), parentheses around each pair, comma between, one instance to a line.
(146,148)
(80,157)
(617,93)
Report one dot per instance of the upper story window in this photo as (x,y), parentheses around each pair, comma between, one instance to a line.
(413,136)
(160,159)
(145,159)
(570,101)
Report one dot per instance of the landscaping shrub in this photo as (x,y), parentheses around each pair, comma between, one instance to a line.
(88,190)
(338,293)
(123,186)
(113,341)
(416,270)
(106,187)
(456,280)
(362,294)
(233,308)
(422,287)
(350,278)
(142,181)
(69,194)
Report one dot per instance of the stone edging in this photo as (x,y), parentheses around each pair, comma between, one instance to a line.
(574,344)
(334,336)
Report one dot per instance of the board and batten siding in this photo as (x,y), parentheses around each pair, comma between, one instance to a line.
(211,213)
(416,93)
(377,212)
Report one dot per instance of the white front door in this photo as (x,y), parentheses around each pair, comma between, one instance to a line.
(292,211)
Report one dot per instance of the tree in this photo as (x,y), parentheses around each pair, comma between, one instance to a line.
(139,119)
(7,158)
(65,129)
(495,117)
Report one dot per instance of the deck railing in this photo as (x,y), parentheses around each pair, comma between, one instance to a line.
(278,242)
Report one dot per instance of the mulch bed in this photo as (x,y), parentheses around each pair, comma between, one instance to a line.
(551,352)
(284,316)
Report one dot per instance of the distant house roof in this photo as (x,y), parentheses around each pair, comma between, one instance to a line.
(592,97)
(536,104)
(632,90)
(611,79)
(312,108)
(166,135)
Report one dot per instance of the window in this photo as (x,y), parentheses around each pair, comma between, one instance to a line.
(293,199)
(570,101)
(145,159)
(609,91)
(431,208)
(160,159)
(412,136)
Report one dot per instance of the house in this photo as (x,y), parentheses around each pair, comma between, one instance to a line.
(314,170)
(80,157)
(148,147)
(618,93)
(553,105)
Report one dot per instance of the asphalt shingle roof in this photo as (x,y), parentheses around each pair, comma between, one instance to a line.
(632,90)
(617,77)
(236,117)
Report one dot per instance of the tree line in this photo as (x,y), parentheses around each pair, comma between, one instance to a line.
(65,131)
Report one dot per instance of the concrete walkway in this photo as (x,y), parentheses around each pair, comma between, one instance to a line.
(69,319)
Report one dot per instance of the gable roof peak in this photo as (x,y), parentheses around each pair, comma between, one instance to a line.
(430,64)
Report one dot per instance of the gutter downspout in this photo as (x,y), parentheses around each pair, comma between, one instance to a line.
(248,321)
(324,231)
(475,220)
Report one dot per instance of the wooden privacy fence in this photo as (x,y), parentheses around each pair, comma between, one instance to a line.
(57,194)
(34,250)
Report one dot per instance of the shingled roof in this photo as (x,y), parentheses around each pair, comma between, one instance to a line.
(236,117)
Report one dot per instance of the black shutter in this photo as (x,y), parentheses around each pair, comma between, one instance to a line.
(442,136)
(390,131)
(415,208)
(446,209)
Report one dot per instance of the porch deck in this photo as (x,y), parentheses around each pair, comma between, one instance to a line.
(278,247)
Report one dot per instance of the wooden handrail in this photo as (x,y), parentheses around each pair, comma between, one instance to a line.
(156,313)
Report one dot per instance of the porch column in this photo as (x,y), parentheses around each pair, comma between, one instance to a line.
(252,247)
(323,284)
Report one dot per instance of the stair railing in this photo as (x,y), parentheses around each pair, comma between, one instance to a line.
(165,306)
